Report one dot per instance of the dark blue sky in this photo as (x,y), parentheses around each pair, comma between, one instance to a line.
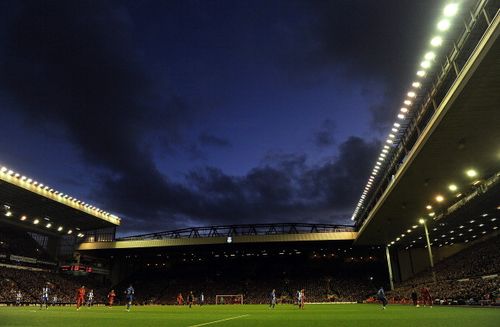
(181,113)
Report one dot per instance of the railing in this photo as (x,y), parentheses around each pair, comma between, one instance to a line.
(238,230)
(476,22)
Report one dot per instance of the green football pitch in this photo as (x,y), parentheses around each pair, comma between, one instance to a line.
(252,315)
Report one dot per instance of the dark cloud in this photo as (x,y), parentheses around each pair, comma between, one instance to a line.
(283,188)
(325,136)
(373,42)
(207,139)
(74,65)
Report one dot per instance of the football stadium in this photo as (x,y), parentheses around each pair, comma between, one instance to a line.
(421,246)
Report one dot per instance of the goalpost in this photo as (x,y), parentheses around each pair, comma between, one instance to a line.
(229,299)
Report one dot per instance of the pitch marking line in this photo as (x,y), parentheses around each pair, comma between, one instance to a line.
(220,320)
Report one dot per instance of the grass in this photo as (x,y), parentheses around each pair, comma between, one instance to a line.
(252,315)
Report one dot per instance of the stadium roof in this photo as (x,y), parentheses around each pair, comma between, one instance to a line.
(26,202)
(237,234)
(456,157)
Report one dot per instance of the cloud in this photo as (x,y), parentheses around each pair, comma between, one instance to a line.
(325,136)
(283,188)
(367,42)
(74,65)
(207,139)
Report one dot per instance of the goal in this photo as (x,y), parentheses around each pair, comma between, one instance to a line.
(229,299)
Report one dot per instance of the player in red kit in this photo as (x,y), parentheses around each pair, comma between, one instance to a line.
(111,298)
(426,296)
(80,297)
(180,299)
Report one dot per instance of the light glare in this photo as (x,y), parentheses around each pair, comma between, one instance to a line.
(471,173)
(425,64)
(430,56)
(450,9)
(443,25)
(436,41)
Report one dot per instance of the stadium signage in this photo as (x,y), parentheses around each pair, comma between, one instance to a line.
(19,258)
(22,259)
(85,269)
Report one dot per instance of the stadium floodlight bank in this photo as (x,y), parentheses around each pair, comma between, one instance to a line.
(229,299)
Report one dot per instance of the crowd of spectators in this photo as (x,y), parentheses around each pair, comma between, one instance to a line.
(327,289)
(470,276)
(30,283)
(254,279)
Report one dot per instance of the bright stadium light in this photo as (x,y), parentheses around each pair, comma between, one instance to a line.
(421,221)
(439,198)
(389,141)
(415,84)
(428,207)
(401,116)
(405,110)
(412,94)
(23,218)
(450,9)
(452,187)
(36,221)
(407,102)
(425,64)
(436,41)
(59,229)
(430,56)
(397,124)
(443,25)
(392,136)
(48,225)
(471,173)
(421,73)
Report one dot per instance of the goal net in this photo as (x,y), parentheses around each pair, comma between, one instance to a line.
(229,299)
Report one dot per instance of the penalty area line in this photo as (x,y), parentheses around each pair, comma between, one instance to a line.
(217,321)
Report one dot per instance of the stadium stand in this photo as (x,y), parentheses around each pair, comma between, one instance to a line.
(327,278)
(20,243)
(471,276)
(30,281)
